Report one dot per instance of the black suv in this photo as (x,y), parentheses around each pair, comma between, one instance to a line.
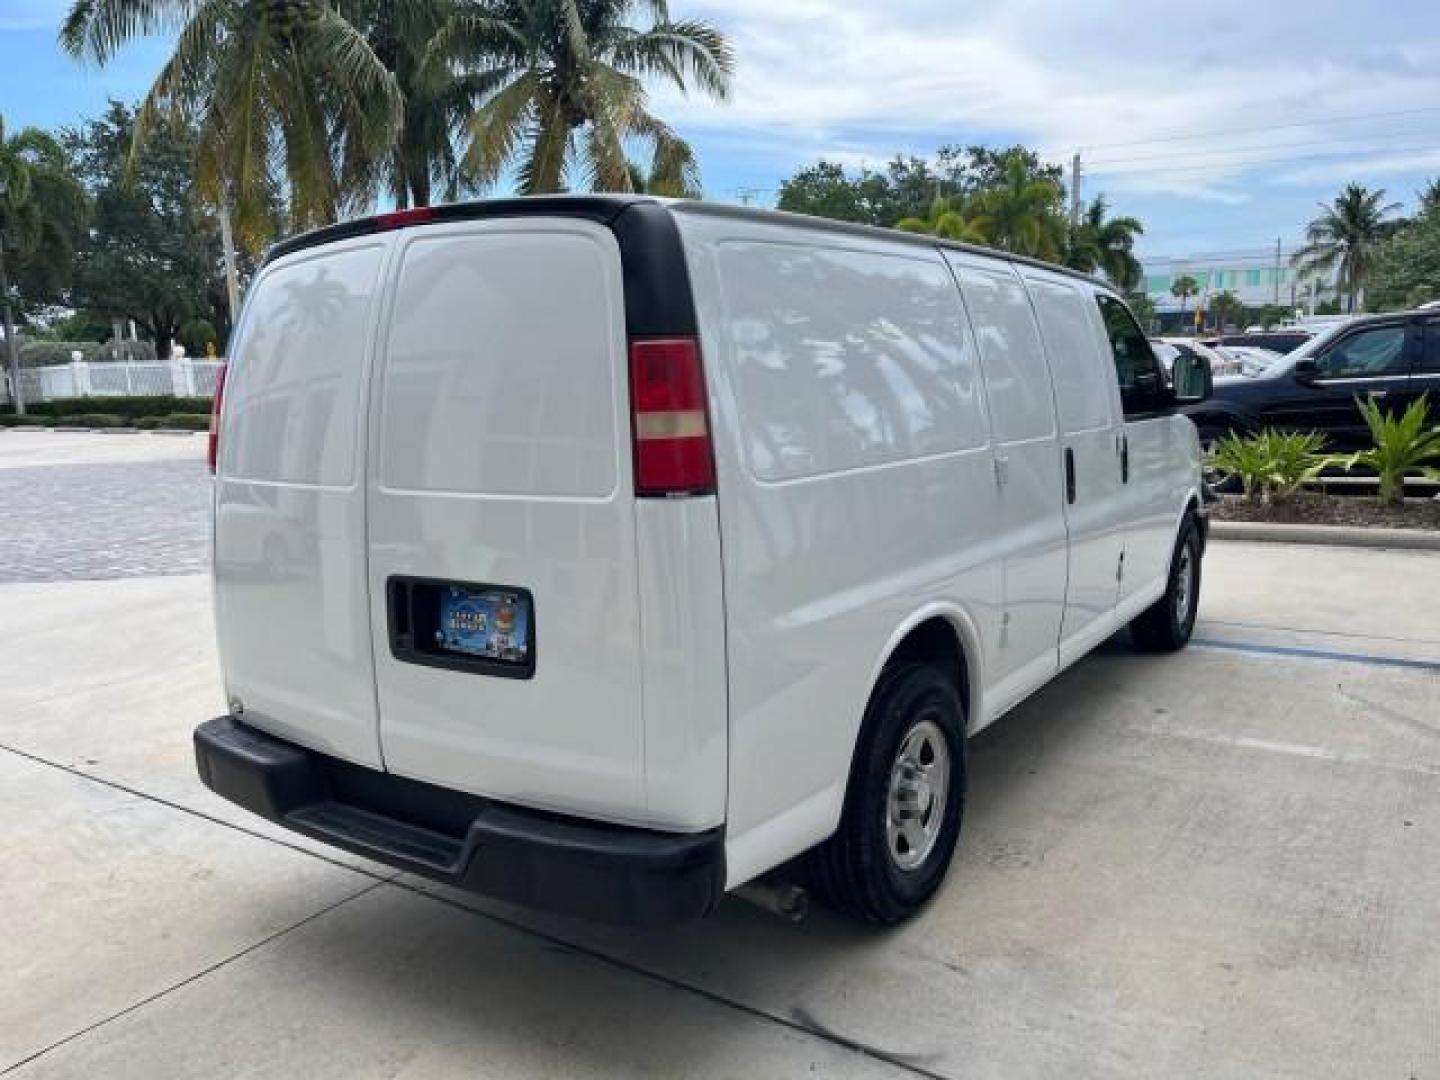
(1393,358)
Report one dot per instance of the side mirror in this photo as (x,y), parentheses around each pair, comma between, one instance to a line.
(1306,370)
(1192,378)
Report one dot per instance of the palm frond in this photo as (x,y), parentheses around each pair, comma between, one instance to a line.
(682,52)
(496,128)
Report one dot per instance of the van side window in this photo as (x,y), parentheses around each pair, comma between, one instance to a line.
(1141,384)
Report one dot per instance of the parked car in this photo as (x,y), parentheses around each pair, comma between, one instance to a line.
(1247,359)
(1394,358)
(653,545)
(1280,341)
(1168,348)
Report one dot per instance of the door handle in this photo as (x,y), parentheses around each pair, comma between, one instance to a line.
(1001,463)
(1069,475)
(1377,393)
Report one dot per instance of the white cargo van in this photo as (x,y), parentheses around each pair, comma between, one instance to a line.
(605,553)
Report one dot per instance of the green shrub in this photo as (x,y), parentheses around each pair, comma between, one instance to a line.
(131,407)
(91,420)
(11,420)
(1270,465)
(182,421)
(1402,445)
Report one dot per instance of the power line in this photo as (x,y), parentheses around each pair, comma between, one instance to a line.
(1246,163)
(1266,127)
(1341,147)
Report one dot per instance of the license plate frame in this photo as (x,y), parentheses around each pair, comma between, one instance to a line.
(467,626)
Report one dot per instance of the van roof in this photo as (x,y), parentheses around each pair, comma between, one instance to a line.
(605,208)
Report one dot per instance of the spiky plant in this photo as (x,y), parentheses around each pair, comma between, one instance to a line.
(1270,465)
(1403,446)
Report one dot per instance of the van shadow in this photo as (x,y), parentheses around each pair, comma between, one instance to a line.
(622,1000)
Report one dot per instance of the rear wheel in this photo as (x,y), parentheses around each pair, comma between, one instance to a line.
(1167,624)
(904,802)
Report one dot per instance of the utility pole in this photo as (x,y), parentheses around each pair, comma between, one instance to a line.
(747,195)
(1277,272)
(1075,191)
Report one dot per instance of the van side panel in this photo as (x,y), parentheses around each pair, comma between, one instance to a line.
(1087,399)
(682,648)
(290,585)
(1164,453)
(1031,521)
(856,487)
(500,456)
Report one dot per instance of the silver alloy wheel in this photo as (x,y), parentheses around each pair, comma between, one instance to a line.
(915,799)
(1184,584)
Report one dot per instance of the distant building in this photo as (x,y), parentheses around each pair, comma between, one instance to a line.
(1251,274)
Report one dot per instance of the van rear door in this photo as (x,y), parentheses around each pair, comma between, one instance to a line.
(501,529)
(290,608)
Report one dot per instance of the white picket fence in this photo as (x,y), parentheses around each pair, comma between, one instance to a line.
(183,378)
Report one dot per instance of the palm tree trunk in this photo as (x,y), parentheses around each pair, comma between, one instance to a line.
(419,188)
(232,275)
(12,347)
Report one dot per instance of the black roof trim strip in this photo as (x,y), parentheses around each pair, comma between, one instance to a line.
(605,209)
(657,282)
(599,208)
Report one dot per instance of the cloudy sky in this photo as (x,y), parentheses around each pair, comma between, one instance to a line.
(1220,125)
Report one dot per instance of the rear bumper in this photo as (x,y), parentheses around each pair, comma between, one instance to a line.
(606,872)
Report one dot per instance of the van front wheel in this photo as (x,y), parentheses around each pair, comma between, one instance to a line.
(904,802)
(1166,625)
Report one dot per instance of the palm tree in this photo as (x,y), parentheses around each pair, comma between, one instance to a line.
(1022,214)
(947,218)
(285,94)
(1106,244)
(42,210)
(675,175)
(438,98)
(1225,304)
(1182,288)
(1430,198)
(1345,235)
(565,86)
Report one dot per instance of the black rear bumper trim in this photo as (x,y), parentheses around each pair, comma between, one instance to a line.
(578,867)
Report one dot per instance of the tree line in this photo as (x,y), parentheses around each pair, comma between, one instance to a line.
(274,116)
(1005,198)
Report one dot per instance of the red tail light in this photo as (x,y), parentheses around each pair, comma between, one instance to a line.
(398,219)
(671,430)
(214,450)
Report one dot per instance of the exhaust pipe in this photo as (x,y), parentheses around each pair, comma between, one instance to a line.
(788,901)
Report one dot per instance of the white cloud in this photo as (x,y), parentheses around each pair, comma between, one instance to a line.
(1374,166)
(877,77)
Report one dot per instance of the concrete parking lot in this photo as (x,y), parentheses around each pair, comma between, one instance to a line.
(1222,863)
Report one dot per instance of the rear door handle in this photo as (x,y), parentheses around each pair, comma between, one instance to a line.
(1069,475)
(1002,468)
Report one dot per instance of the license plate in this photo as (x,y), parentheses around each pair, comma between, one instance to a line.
(490,623)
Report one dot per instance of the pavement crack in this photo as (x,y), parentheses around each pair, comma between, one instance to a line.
(192,978)
(801,1022)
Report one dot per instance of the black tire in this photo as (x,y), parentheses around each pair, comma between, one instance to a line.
(1166,625)
(854,871)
